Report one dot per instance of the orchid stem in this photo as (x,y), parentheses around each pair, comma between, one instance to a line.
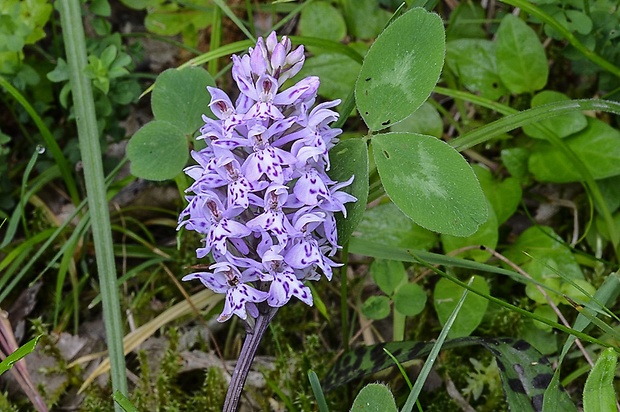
(246,357)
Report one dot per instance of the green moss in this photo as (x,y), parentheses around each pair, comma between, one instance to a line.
(7,406)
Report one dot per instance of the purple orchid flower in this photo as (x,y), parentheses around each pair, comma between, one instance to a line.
(240,297)
(261,196)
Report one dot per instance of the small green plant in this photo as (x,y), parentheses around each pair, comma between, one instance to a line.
(408,298)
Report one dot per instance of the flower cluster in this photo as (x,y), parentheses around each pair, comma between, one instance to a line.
(262,198)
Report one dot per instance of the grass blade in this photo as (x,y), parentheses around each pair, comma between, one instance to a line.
(318,391)
(88,135)
(430,361)
(599,393)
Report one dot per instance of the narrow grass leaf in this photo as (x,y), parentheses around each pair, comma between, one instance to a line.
(430,361)
(50,141)
(606,293)
(19,354)
(124,402)
(599,393)
(400,368)
(318,391)
(88,135)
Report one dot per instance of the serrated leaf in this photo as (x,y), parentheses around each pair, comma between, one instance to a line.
(599,393)
(374,397)
(376,307)
(400,69)
(409,299)
(597,146)
(180,97)
(430,182)
(350,158)
(521,60)
(447,294)
(388,274)
(158,151)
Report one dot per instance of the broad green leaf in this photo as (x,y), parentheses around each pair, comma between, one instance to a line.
(552,282)
(445,298)
(466,22)
(60,72)
(545,342)
(385,224)
(19,354)
(388,274)
(374,397)
(158,151)
(430,182)
(170,20)
(598,147)
(521,60)
(336,71)
(400,69)
(409,299)
(603,228)
(504,195)
(365,19)
(473,61)
(610,189)
(572,20)
(137,4)
(539,247)
(321,19)
(562,126)
(599,393)
(425,120)
(515,159)
(545,311)
(486,235)
(350,158)
(524,371)
(180,97)
(376,307)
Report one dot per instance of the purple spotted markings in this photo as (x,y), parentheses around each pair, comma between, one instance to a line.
(261,195)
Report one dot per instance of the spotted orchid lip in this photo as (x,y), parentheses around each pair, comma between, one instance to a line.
(261,194)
